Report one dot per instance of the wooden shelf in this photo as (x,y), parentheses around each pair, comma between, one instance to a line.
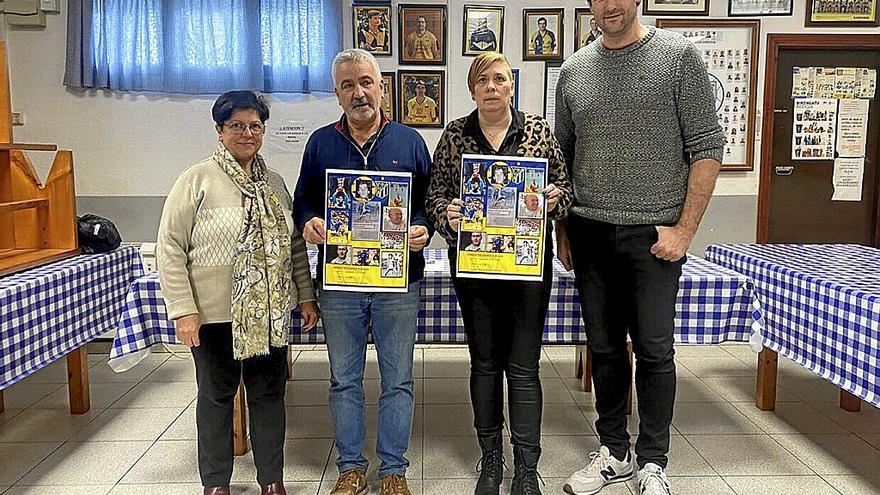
(16,260)
(23,204)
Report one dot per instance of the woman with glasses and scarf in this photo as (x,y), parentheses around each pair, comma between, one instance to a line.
(231,267)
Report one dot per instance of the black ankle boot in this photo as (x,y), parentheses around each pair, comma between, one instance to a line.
(525,474)
(491,466)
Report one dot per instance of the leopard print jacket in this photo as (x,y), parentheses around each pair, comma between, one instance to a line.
(538,141)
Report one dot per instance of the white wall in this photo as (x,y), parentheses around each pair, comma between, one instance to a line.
(128,144)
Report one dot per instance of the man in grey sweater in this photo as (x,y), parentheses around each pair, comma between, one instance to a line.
(635,118)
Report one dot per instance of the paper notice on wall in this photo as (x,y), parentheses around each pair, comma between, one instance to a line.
(848,176)
(813,130)
(802,82)
(845,83)
(866,83)
(550,95)
(852,127)
(287,136)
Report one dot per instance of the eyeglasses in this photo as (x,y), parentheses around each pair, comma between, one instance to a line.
(238,128)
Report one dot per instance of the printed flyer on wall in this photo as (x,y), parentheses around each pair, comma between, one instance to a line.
(367,243)
(504,217)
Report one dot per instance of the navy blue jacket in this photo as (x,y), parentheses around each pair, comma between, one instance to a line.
(397,148)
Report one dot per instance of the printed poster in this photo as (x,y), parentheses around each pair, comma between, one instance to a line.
(367,243)
(813,131)
(852,127)
(504,217)
(848,179)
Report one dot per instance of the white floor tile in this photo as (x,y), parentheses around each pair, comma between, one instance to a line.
(790,418)
(67,490)
(175,369)
(742,389)
(101,372)
(55,373)
(184,427)
(692,389)
(699,351)
(565,419)
(711,418)
(563,455)
(45,425)
(741,455)
(716,366)
(312,365)
(448,420)
(447,391)
(456,457)
(774,485)
(833,454)
(128,425)
(865,421)
(25,394)
(88,463)
(871,438)
(855,485)
(309,422)
(696,485)
(19,458)
(684,460)
(101,395)
(159,394)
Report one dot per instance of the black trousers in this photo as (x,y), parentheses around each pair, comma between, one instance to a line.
(218,375)
(504,322)
(623,287)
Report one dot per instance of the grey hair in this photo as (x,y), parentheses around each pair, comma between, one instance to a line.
(355,55)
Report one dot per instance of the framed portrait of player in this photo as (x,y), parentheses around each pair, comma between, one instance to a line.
(483,29)
(421,98)
(675,7)
(389,97)
(543,34)
(586,28)
(729,48)
(842,13)
(371,23)
(422,29)
(758,8)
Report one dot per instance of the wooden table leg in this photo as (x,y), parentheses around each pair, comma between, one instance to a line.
(78,381)
(239,422)
(289,363)
(584,367)
(2,407)
(629,398)
(850,402)
(765,391)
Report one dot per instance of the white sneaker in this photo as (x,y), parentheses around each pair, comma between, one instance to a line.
(652,480)
(604,469)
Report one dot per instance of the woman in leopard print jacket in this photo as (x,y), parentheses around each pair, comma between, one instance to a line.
(504,319)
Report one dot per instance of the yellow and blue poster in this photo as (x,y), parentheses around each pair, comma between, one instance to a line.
(367,215)
(504,217)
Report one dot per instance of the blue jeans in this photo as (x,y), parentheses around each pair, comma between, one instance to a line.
(391,317)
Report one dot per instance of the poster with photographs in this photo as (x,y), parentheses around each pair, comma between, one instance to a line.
(422,29)
(751,8)
(813,132)
(504,217)
(543,34)
(833,82)
(421,98)
(586,28)
(483,29)
(675,7)
(372,27)
(367,241)
(729,49)
(389,95)
(853,13)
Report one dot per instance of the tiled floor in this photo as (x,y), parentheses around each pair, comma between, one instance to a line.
(139,437)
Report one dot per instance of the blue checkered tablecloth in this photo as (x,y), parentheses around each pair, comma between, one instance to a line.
(714,305)
(49,311)
(821,303)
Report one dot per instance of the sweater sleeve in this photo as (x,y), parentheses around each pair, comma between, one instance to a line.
(695,101)
(442,186)
(564,125)
(172,248)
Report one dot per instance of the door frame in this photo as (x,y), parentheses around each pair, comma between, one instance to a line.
(775,43)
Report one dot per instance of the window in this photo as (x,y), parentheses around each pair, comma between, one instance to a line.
(203,46)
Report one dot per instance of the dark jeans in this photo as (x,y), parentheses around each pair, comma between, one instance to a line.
(217,376)
(504,322)
(624,287)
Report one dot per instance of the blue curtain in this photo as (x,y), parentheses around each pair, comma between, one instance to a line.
(203,46)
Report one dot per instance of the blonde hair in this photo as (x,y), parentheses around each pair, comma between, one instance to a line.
(482,62)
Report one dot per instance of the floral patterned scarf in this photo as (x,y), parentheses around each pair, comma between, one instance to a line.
(261,267)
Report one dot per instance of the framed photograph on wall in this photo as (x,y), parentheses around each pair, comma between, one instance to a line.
(543,34)
(842,13)
(371,22)
(422,29)
(758,8)
(515,88)
(389,97)
(675,7)
(483,29)
(586,28)
(730,50)
(421,98)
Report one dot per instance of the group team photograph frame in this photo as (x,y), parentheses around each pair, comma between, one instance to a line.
(759,8)
(842,13)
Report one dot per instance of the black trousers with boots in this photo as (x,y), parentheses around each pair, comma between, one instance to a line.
(218,375)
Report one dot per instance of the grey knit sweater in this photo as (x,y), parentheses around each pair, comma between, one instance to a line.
(631,122)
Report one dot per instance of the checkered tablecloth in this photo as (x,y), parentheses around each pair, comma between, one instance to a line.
(714,305)
(821,303)
(49,311)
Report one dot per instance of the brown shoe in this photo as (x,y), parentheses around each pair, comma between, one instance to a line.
(351,482)
(393,484)
(276,488)
(216,490)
